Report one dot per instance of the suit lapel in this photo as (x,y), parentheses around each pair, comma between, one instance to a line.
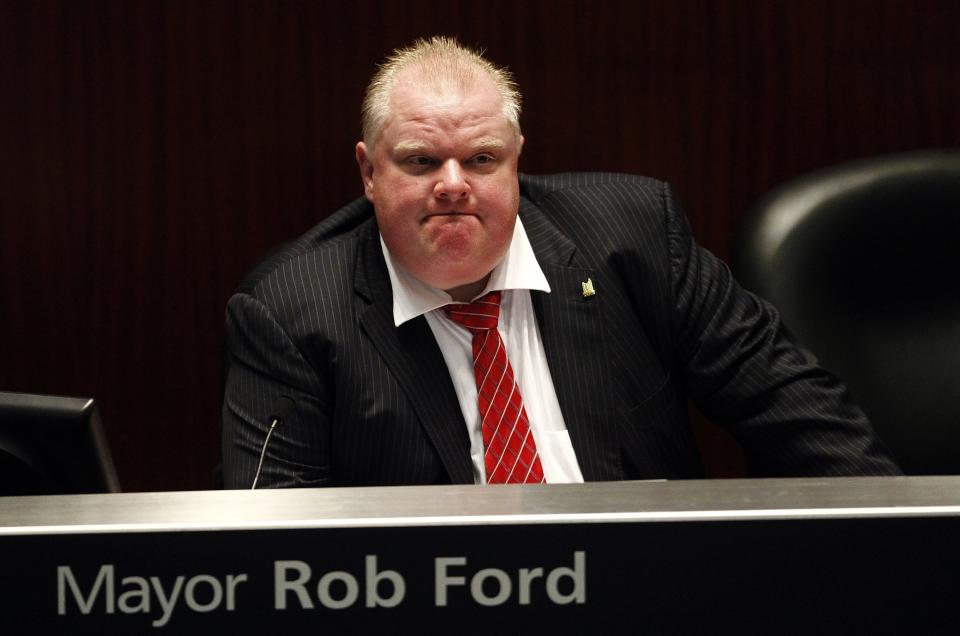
(412,354)
(572,329)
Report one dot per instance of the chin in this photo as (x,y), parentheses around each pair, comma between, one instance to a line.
(457,265)
(450,280)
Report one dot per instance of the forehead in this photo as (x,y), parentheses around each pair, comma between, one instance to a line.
(432,105)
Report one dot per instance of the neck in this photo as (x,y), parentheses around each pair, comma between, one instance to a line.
(466,293)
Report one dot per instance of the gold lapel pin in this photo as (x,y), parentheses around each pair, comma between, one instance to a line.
(588,289)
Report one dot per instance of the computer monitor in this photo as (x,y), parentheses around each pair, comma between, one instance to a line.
(53,445)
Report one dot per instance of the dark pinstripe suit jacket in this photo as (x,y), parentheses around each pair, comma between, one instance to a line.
(375,404)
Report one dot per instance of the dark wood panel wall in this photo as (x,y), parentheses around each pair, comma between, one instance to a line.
(151,151)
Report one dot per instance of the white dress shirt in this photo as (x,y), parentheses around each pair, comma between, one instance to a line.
(515,276)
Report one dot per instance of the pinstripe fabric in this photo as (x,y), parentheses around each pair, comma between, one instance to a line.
(375,404)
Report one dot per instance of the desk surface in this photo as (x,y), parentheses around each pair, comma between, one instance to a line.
(709,500)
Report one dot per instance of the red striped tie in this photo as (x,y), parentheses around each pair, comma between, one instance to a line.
(509,451)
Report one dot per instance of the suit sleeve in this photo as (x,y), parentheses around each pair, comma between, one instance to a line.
(791,417)
(264,364)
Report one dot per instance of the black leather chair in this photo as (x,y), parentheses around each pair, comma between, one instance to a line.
(863,261)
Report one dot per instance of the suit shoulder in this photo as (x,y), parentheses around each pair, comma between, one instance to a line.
(330,241)
(539,187)
(619,206)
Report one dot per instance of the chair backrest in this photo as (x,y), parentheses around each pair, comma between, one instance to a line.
(863,262)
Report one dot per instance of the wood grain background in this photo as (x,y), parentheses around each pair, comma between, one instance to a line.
(151,151)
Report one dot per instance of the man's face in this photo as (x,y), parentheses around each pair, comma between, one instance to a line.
(442,177)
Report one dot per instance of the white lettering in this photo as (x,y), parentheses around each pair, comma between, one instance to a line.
(493,586)
(578,574)
(503,582)
(282,585)
(65,577)
(323,590)
(526,577)
(216,596)
(167,603)
(442,581)
(233,580)
(373,579)
(136,592)
(142,592)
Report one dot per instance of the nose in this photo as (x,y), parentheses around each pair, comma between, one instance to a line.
(452,184)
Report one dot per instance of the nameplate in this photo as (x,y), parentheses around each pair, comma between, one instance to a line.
(686,571)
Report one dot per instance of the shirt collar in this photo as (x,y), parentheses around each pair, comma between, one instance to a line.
(519,269)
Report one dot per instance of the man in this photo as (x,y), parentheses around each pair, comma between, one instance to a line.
(463,324)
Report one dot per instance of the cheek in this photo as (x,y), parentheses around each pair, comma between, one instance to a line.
(402,193)
(397,211)
(501,201)
(390,202)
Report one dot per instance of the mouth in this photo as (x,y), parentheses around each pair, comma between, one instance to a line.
(450,213)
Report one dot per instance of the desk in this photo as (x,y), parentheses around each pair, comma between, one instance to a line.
(850,555)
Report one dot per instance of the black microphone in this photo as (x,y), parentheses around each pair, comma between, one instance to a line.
(282,408)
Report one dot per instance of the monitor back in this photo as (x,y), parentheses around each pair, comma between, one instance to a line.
(53,445)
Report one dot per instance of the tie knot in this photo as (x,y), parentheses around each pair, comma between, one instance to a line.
(481,314)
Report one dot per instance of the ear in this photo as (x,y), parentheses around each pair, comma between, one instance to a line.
(365,162)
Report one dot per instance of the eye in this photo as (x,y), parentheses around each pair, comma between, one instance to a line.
(482,159)
(420,161)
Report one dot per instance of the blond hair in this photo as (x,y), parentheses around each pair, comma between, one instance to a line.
(440,60)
